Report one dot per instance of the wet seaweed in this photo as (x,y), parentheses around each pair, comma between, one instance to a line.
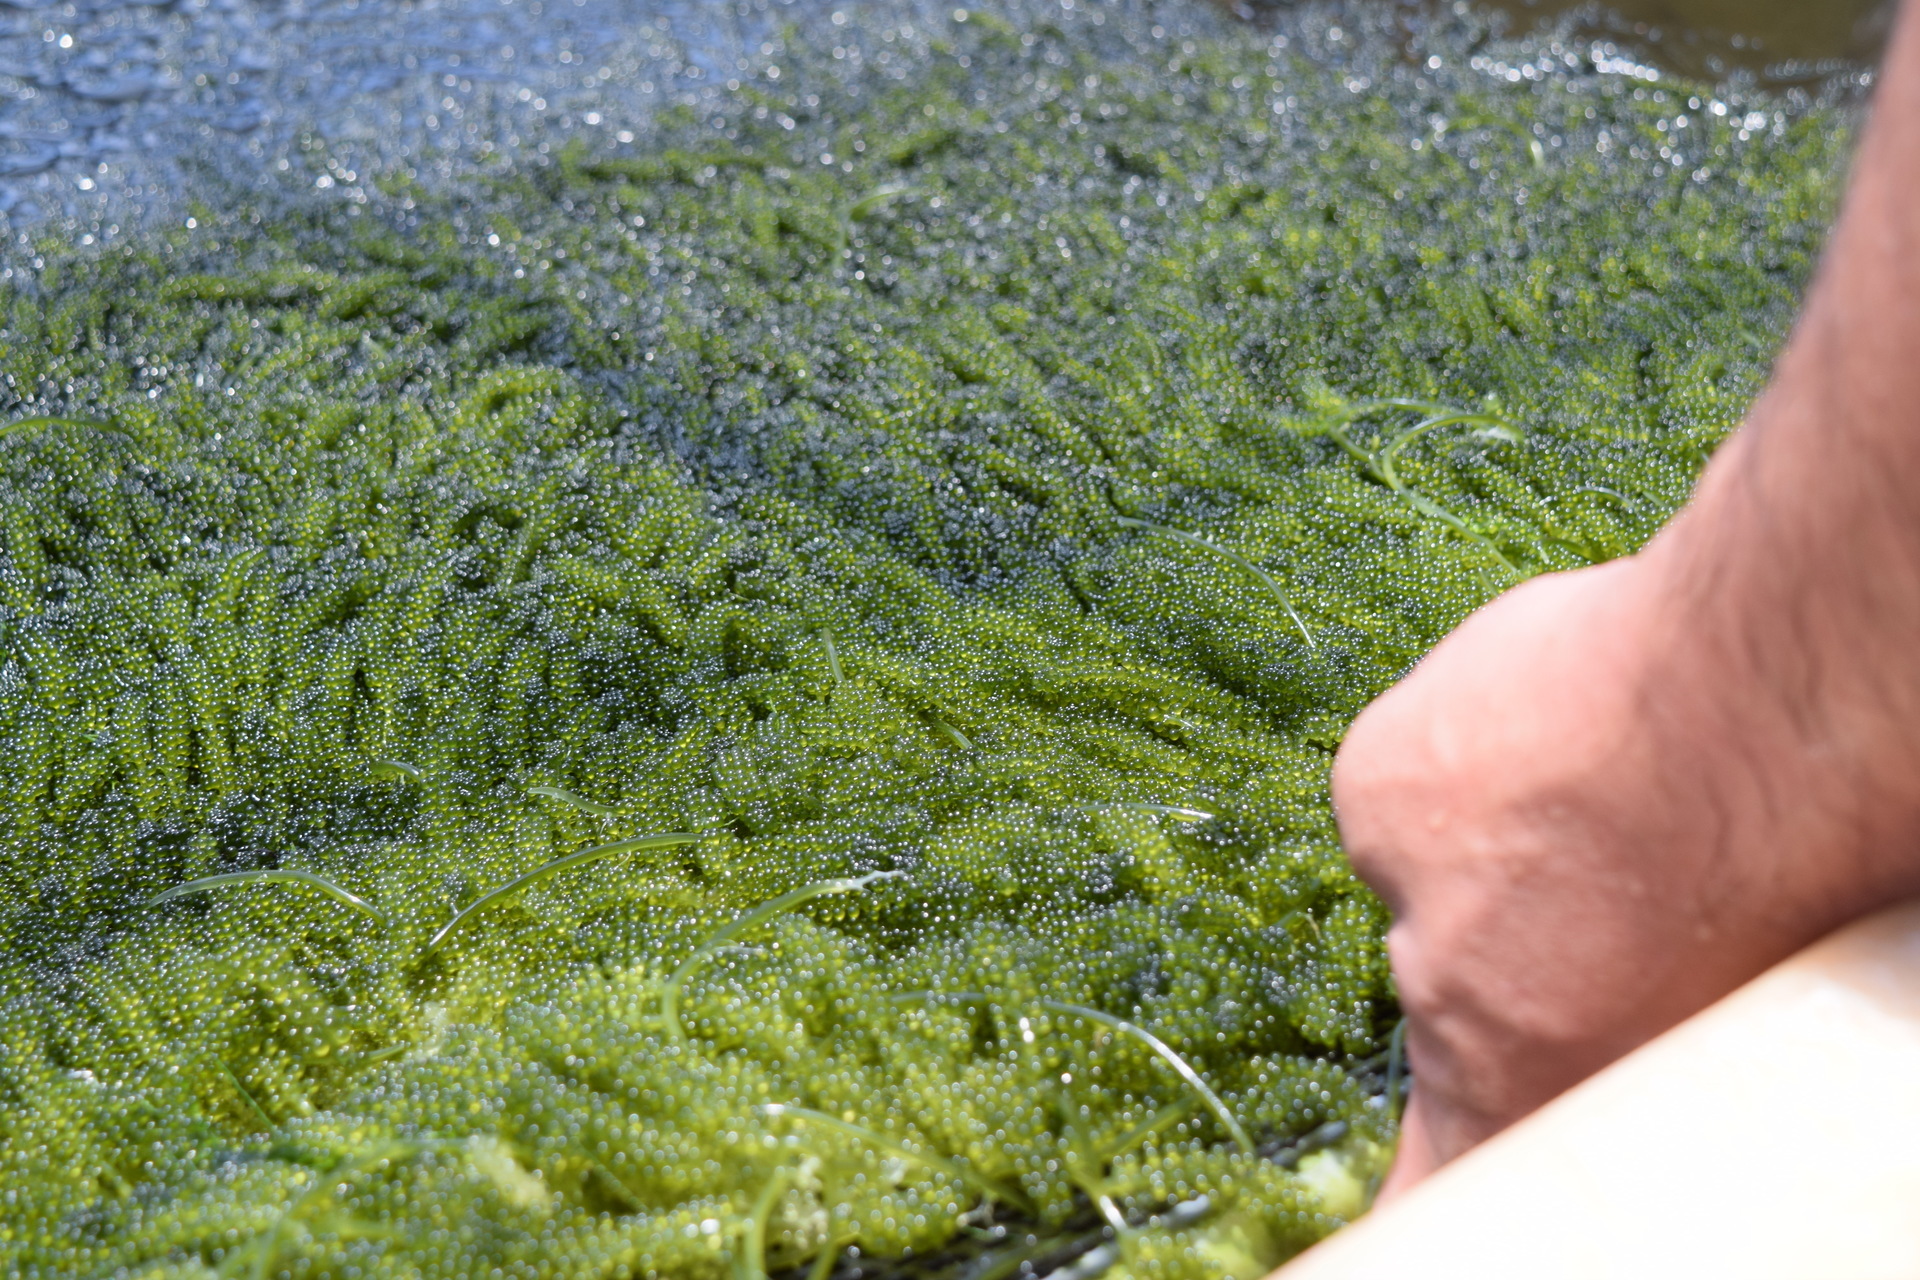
(1017,508)
(305,878)
(676,983)
(1231,557)
(579,802)
(1180,1065)
(892,1146)
(546,870)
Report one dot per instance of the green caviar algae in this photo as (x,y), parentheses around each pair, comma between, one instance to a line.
(848,601)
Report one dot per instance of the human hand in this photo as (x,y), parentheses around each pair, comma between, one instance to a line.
(1569,820)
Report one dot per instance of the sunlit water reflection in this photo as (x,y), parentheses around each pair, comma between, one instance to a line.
(111,112)
(108,108)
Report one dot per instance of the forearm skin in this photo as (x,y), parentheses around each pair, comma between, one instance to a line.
(1790,588)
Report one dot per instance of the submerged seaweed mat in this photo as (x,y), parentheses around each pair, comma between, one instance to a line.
(970,466)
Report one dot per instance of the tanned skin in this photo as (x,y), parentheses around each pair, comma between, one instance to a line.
(1614,795)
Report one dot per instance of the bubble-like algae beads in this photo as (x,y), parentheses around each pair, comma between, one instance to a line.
(447,642)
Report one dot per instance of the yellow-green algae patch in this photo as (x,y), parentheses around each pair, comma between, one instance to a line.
(960,500)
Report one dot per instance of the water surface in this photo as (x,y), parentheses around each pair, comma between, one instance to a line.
(114,112)
(1778,39)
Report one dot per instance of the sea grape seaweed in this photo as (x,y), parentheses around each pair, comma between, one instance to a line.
(980,469)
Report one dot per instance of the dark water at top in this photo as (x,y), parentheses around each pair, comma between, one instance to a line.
(1780,40)
(113,111)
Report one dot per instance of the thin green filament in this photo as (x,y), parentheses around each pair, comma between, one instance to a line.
(1231,557)
(721,937)
(304,878)
(1180,1065)
(547,870)
(579,802)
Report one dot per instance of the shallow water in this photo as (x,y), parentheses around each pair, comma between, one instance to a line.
(107,106)
(111,109)
(1781,40)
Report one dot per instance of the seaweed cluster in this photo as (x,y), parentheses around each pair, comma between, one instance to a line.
(760,698)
